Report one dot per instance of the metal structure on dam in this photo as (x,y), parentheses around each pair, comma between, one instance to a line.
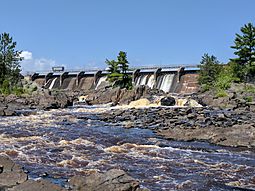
(169,79)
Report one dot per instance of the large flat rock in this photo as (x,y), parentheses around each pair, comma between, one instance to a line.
(39,185)
(111,180)
(11,174)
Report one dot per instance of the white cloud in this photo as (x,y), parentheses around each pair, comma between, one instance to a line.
(30,64)
(36,65)
(26,55)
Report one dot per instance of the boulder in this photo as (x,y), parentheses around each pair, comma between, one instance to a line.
(111,180)
(103,96)
(11,174)
(2,108)
(39,185)
(140,103)
(9,111)
(167,101)
(51,100)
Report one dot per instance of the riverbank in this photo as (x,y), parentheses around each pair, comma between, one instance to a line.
(57,145)
(217,126)
(14,178)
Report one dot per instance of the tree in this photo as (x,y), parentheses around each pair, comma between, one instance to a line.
(118,71)
(113,66)
(245,50)
(123,62)
(114,71)
(9,60)
(123,65)
(209,70)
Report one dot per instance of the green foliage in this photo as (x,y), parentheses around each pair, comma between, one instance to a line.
(5,87)
(9,63)
(123,62)
(221,93)
(112,77)
(249,89)
(226,76)
(17,90)
(245,50)
(118,71)
(209,70)
(113,66)
(248,98)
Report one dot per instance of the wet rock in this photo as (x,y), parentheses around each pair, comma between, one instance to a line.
(167,101)
(2,108)
(9,112)
(103,96)
(111,180)
(51,100)
(39,185)
(11,173)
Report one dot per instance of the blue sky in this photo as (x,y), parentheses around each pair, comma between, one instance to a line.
(81,34)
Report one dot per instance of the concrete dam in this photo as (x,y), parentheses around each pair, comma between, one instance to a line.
(183,80)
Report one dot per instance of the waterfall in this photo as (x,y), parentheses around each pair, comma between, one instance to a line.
(159,81)
(47,84)
(137,81)
(101,79)
(147,79)
(52,83)
(151,81)
(167,82)
(143,80)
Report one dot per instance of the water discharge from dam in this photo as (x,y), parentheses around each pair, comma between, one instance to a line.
(100,81)
(52,83)
(167,82)
(75,141)
(147,79)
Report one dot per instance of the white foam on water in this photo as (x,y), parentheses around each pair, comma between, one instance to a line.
(52,83)
(167,82)
(151,81)
(101,79)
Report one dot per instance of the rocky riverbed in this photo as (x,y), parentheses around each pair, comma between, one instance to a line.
(222,127)
(59,144)
(14,178)
(88,148)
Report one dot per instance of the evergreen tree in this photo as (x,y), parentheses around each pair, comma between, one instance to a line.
(123,62)
(123,65)
(245,50)
(114,72)
(9,60)
(118,71)
(113,66)
(209,70)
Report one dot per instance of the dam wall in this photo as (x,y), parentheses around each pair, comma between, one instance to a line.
(183,80)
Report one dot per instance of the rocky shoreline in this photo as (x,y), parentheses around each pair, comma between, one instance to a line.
(12,105)
(221,127)
(227,121)
(14,178)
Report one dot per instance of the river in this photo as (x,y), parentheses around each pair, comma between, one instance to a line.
(58,144)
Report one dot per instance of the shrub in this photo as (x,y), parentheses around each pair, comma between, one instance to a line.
(221,93)
(248,98)
(249,89)
(5,88)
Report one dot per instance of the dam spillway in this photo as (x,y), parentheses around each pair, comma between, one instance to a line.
(183,80)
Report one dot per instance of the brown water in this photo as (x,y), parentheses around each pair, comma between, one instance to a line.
(61,143)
